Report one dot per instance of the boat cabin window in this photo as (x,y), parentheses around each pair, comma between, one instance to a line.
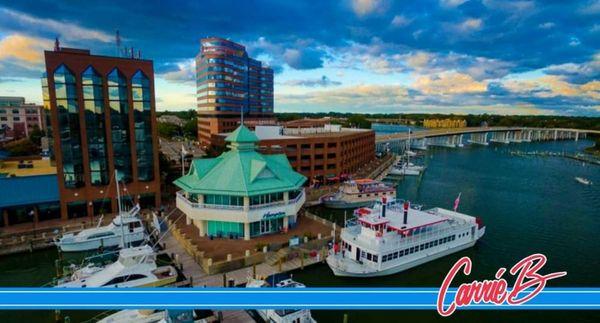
(133,225)
(100,235)
(122,279)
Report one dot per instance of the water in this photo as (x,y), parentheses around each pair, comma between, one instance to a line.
(529,205)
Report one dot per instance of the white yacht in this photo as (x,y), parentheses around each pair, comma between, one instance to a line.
(407,169)
(583,181)
(286,315)
(126,227)
(136,267)
(152,316)
(394,236)
(357,193)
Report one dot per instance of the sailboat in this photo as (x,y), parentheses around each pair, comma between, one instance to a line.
(109,236)
(406,168)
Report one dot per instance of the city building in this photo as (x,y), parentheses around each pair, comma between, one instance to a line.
(230,83)
(168,118)
(242,193)
(18,119)
(101,120)
(317,149)
(444,123)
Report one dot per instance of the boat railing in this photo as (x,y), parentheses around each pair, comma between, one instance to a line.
(389,242)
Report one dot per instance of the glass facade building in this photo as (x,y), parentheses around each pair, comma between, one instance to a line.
(101,121)
(229,83)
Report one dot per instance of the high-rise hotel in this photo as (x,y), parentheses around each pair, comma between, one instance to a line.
(230,83)
(101,120)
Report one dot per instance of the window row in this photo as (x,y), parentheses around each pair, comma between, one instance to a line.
(421,247)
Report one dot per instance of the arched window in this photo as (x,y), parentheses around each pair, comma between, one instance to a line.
(142,114)
(68,120)
(119,121)
(93,98)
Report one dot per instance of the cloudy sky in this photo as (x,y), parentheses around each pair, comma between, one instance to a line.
(490,56)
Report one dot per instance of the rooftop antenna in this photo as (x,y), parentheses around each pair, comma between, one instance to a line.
(118,43)
(56,44)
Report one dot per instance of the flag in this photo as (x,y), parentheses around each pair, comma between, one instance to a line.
(457,201)
(183,151)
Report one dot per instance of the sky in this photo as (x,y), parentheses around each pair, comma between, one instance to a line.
(363,56)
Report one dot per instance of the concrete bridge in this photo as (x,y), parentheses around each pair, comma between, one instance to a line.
(476,135)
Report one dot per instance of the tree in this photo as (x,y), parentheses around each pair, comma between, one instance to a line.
(190,129)
(168,130)
(36,135)
(23,147)
(359,121)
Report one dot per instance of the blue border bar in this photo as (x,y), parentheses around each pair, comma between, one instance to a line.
(273,298)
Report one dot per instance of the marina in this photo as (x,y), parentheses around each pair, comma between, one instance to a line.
(437,187)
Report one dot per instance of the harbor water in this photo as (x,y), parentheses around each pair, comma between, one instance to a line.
(529,204)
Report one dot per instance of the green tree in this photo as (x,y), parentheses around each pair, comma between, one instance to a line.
(36,135)
(23,147)
(190,129)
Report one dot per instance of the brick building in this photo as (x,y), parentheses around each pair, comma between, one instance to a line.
(319,152)
(18,119)
(101,119)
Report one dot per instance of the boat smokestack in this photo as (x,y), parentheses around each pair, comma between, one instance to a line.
(406,206)
(383,205)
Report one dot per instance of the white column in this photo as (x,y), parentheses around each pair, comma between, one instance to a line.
(201,225)
(286,222)
(246,231)
(286,197)
(246,203)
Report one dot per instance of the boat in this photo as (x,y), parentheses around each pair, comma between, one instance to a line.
(127,225)
(406,169)
(282,315)
(153,316)
(358,193)
(583,181)
(125,229)
(135,267)
(394,236)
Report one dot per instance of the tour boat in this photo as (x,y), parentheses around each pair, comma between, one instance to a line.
(125,229)
(285,315)
(358,193)
(394,236)
(135,267)
(583,181)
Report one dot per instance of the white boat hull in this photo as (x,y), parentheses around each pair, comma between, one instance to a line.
(406,172)
(402,267)
(107,243)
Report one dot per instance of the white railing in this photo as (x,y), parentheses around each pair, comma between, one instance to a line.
(197,205)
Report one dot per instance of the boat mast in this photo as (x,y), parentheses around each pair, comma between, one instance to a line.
(120,210)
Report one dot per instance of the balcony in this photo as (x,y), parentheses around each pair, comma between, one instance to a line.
(237,213)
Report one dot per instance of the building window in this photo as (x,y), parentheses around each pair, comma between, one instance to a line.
(93,100)
(48,118)
(142,116)
(68,121)
(119,122)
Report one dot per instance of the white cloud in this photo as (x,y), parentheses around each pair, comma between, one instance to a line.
(68,30)
(366,7)
(400,21)
(451,3)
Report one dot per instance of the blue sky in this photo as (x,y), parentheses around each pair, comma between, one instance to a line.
(368,56)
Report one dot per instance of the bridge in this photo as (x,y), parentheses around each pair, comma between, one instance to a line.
(476,135)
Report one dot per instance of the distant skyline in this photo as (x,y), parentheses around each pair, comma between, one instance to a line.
(362,56)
